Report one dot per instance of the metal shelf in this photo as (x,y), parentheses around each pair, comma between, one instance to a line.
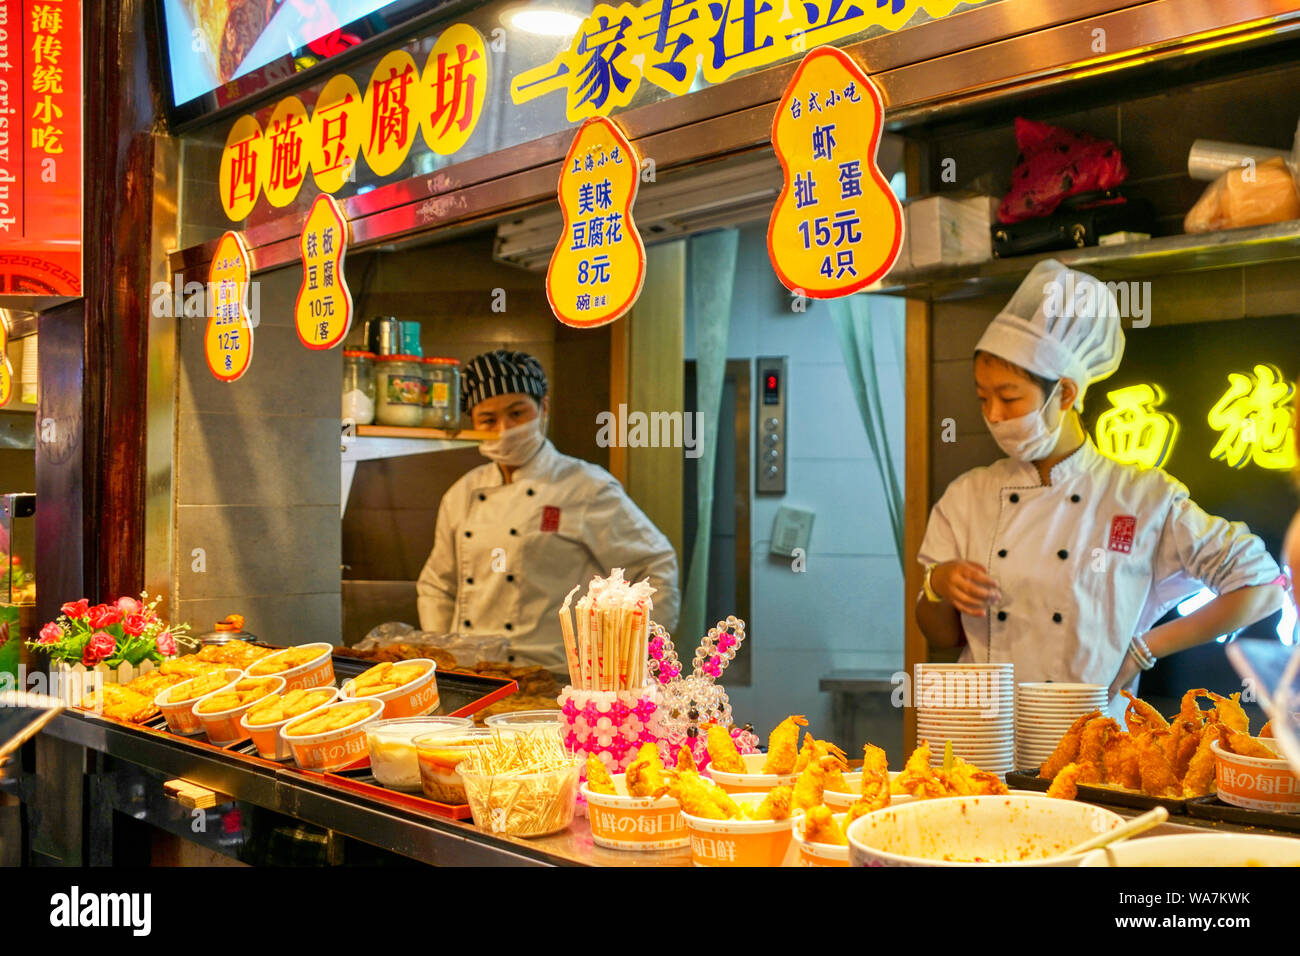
(372,442)
(1231,248)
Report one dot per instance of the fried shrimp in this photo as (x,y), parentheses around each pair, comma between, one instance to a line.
(722,750)
(783,745)
(811,785)
(598,778)
(819,826)
(1065,784)
(775,806)
(1140,716)
(1067,749)
(646,776)
(1228,712)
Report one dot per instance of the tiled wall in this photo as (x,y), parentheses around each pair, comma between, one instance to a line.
(845,611)
(257,481)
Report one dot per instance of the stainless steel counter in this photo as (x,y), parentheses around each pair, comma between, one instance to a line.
(376,821)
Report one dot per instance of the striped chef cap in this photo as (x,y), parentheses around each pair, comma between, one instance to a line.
(1060,323)
(501,373)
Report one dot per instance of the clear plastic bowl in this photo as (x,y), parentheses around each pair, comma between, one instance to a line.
(525,719)
(524,804)
(391,743)
(438,755)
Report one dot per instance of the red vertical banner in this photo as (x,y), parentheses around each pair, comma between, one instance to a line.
(40,147)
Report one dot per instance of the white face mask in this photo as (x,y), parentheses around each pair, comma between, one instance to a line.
(516,445)
(1030,437)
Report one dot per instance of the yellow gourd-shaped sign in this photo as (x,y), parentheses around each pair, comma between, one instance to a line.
(228,339)
(837,226)
(598,266)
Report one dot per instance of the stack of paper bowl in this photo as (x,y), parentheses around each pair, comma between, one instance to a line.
(1045,711)
(971,705)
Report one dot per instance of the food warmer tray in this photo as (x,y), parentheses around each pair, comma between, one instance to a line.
(1030,780)
(1212,808)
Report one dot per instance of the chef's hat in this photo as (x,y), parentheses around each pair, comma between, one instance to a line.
(501,373)
(1059,324)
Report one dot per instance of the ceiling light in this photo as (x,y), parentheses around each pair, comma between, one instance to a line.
(550,23)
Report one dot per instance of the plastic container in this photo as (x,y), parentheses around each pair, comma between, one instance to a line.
(399,390)
(525,719)
(266,737)
(439,754)
(820,854)
(739,842)
(523,804)
(415,698)
(1199,849)
(1009,830)
(224,727)
(180,715)
(620,822)
(391,744)
(442,393)
(317,672)
(333,749)
(1256,782)
(752,782)
(358,386)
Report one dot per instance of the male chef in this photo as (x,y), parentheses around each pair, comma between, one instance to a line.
(515,535)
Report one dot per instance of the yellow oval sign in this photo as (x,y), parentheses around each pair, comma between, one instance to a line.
(228,339)
(455,83)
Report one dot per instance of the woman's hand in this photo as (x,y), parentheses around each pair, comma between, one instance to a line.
(965,585)
(1127,671)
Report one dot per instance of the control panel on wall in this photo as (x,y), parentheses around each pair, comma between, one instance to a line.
(770,422)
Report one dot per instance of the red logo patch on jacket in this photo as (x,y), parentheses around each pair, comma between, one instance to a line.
(550,518)
(1122,529)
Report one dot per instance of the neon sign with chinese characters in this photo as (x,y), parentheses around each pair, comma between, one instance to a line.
(1254,419)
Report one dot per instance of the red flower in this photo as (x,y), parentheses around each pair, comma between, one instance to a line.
(76,608)
(102,615)
(100,646)
(134,624)
(129,605)
(166,644)
(51,634)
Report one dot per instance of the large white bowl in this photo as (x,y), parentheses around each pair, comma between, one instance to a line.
(1200,849)
(1012,830)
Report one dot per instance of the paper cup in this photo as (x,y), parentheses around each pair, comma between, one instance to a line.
(180,715)
(819,854)
(739,842)
(266,737)
(415,698)
(752,782)
(318,672)
(1255,782)
(333,749)
(635,823)
(225,727)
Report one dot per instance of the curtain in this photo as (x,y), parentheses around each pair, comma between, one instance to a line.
(868,342)
(710,276)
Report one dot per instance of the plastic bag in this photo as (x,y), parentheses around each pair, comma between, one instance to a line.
(469,651)
(1054,164)
(1246,197)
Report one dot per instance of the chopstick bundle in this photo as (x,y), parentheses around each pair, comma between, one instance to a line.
(606,633)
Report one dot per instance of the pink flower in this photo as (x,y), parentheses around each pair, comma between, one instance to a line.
(166,644)
(129,605)
(76,608)
(51,634)
(102,615)
(100,646)
(134,624)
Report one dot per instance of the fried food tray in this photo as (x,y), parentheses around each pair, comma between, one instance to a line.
(1212,808)
(1113,796)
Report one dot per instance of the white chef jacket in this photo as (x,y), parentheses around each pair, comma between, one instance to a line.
(1085,563)
(505,555)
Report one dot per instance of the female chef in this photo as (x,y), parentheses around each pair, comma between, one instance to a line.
(514,536)
(1057,558)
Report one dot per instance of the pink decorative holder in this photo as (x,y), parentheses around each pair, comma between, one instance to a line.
(613,724)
